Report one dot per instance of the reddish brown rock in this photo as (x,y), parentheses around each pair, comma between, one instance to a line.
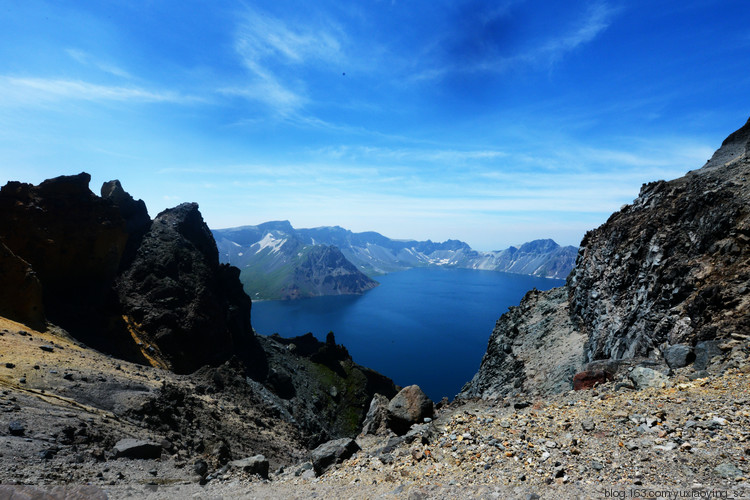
(590,378)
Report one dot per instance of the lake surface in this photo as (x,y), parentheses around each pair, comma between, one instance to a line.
(424,326)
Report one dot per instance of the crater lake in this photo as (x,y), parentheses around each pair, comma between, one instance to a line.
(424,326)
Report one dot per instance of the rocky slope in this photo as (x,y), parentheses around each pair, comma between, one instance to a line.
(67,425)
(663,282)
(279,261)
(153,292)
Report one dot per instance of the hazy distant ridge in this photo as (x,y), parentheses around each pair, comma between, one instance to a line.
(269,256)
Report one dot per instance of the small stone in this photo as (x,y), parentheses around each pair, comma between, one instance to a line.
(588,424)
(200,467)
(550,444)
(47,348)
(597,465)
(22,380)
(728,470)
(631,446)
(10,365)
(16,428)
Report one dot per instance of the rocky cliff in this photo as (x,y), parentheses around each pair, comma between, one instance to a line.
(154,292)
(668,272)
(151,292)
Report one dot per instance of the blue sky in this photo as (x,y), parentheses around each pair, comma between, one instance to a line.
(494,122)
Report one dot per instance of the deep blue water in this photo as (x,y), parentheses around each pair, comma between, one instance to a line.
(424,326)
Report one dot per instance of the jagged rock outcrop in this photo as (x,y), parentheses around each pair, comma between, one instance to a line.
(148,292)
(181,302)
(74,242)
(672,268)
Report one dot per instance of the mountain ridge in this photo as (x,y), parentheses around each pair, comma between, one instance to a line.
(271,273)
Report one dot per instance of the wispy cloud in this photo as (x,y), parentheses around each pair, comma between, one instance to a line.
(493,58)
(433,156)
(32,91)
(269,48)
(88,60)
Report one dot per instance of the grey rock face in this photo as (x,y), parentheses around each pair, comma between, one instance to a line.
(410,406)
(671,268)
(512,364)
(331,453)
(377,416)
(704,352)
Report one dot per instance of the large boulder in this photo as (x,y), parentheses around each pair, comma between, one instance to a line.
(331,453)
(644,377)
(679,355)
(410,406)
(587,379)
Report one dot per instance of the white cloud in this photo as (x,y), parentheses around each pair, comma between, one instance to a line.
(269,47)
(88,60)
(32,91)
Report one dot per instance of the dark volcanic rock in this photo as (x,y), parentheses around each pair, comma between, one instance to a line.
(73,240)
(137,221)
(182,302)
(137,448)
(671,268)
(21,291)
(679,355)
(151,292)
(410,406)
(16,428)
(331,453)
(326,393)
